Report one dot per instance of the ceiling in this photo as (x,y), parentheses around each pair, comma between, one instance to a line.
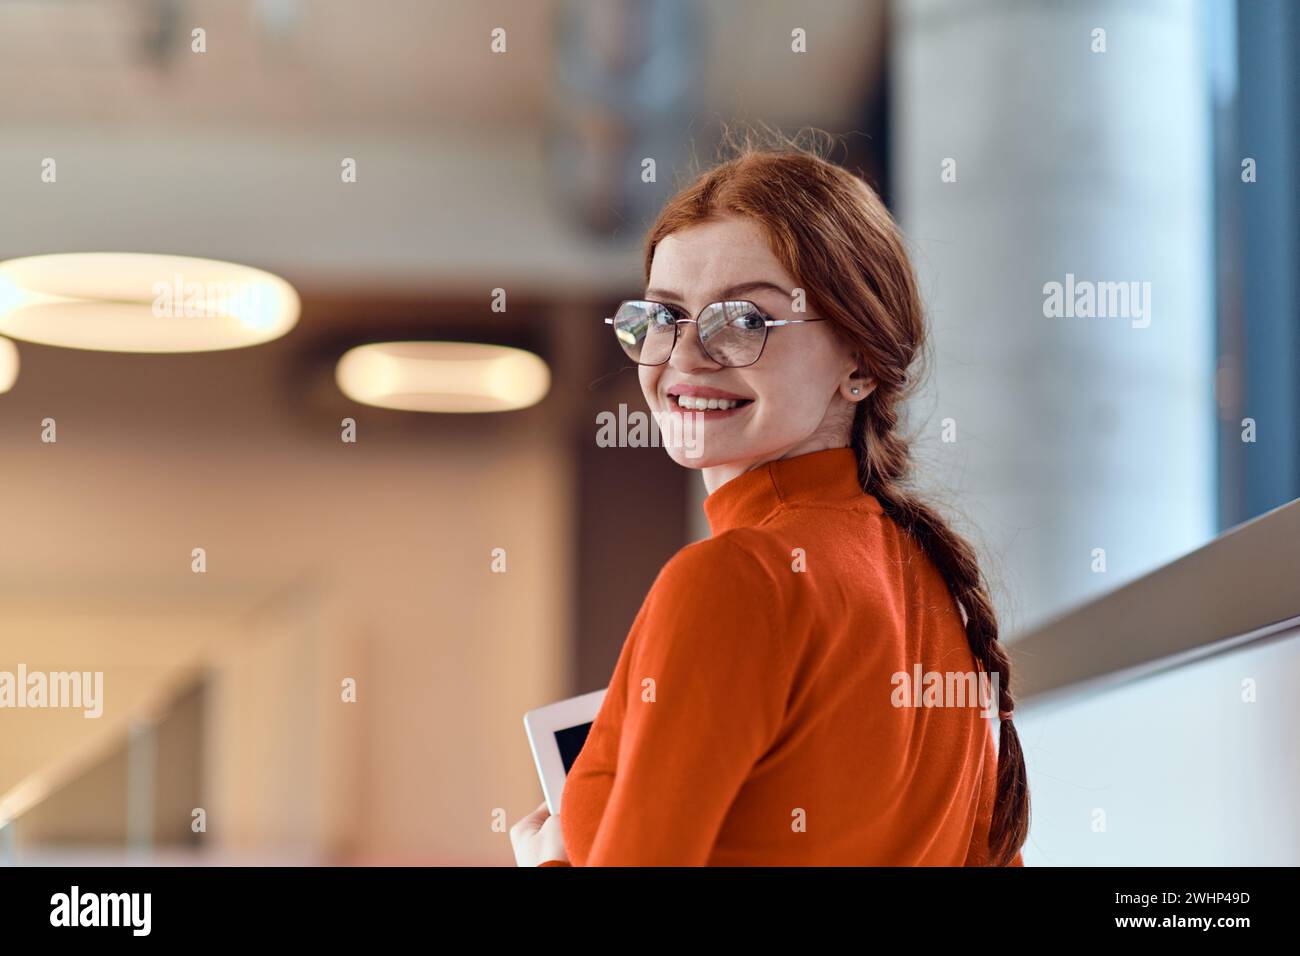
(463,173)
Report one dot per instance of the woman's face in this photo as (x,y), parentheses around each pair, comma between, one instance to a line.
(794,400)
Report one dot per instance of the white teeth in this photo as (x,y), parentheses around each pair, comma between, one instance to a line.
(705,404)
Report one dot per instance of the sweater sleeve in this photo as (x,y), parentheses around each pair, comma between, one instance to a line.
(706,692)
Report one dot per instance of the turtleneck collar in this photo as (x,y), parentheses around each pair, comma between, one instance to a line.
(820,476)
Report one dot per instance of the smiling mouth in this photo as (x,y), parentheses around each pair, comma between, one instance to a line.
(700,402)
(696,403)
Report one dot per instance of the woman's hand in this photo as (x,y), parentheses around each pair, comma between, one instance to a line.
(537,838)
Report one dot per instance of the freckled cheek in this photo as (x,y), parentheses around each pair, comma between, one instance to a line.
(787,410)
(649,376)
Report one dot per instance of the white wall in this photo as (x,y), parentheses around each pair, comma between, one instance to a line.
(1183,770)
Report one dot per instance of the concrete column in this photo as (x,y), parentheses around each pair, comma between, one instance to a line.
(1071,159)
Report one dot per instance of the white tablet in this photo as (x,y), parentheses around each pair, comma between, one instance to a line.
(556,733)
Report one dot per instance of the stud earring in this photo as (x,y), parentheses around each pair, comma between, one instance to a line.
(855,390)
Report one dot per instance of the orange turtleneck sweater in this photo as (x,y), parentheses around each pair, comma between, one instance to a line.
(751,718)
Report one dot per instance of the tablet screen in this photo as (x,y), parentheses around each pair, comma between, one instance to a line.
(556,735)
(570,741)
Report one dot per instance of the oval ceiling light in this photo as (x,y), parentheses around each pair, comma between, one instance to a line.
(130,302)
(442,376)
(8,365)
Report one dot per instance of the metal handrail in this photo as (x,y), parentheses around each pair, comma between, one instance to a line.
(1241,588)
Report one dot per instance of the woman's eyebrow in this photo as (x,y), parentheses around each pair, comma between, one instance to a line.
(742,288)
(761,285)
(663,295)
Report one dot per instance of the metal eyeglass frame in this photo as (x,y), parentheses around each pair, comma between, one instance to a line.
(674,310)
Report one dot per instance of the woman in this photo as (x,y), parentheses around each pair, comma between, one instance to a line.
(764,709)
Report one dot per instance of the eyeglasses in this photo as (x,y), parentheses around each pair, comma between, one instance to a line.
(731,333)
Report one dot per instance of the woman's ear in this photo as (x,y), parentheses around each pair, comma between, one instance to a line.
(857,385)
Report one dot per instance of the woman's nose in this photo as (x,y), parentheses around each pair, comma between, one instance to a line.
(688,354)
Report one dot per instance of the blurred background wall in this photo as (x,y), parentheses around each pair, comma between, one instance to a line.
(522,170)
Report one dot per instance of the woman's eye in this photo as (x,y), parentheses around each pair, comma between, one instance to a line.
(750,321)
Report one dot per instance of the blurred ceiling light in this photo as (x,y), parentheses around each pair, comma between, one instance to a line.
(443,376)
(8,365)
(130,302)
